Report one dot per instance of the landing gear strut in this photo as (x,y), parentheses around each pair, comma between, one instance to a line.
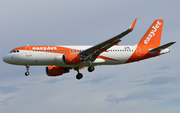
(27,72)
(90,68)
(79,75)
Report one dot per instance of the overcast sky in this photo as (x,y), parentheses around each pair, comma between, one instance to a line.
(148,86)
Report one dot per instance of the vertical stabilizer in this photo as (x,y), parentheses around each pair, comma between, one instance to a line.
(152,37)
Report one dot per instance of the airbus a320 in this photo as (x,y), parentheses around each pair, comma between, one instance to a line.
(61,59)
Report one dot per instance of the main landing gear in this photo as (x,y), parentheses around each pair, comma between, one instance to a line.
(80,75)
(27,68)
(91,68)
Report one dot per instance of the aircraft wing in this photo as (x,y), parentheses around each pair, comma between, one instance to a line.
(102,47)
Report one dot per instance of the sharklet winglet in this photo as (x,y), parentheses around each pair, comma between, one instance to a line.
(133,24)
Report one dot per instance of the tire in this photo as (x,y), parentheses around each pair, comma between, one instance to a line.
(91,68)
(79,76)
(27,73)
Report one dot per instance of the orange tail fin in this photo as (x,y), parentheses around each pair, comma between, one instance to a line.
(152,37)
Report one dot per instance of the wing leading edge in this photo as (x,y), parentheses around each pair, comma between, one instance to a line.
(102,47)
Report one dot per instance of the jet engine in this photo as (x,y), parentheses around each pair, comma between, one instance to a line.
(71,59)
(56,70)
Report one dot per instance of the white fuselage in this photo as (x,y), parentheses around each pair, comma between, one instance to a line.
(115,55)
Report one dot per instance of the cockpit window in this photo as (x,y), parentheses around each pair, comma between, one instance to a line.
(14,51)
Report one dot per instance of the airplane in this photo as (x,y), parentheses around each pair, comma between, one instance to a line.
(61,59)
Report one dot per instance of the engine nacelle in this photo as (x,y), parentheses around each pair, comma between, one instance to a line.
(55,70)
(71,59)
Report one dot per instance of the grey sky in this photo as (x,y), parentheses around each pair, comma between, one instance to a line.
(148,86)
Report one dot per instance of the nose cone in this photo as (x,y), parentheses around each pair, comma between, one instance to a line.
(6,59)
(11,59)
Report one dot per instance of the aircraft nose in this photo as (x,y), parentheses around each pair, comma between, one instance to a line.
(6,58)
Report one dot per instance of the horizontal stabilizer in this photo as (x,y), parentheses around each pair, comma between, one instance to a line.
(161,47)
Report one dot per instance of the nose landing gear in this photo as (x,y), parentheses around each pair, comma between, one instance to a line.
(27,73)
(27,68)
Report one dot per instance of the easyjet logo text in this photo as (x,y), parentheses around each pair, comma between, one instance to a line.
(152,33)
(44,48)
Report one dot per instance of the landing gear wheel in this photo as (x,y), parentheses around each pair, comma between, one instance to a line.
(91,68)
(79,76)
(27,68)
(27,73)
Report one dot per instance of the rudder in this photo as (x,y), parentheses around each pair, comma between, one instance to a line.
(152,37)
